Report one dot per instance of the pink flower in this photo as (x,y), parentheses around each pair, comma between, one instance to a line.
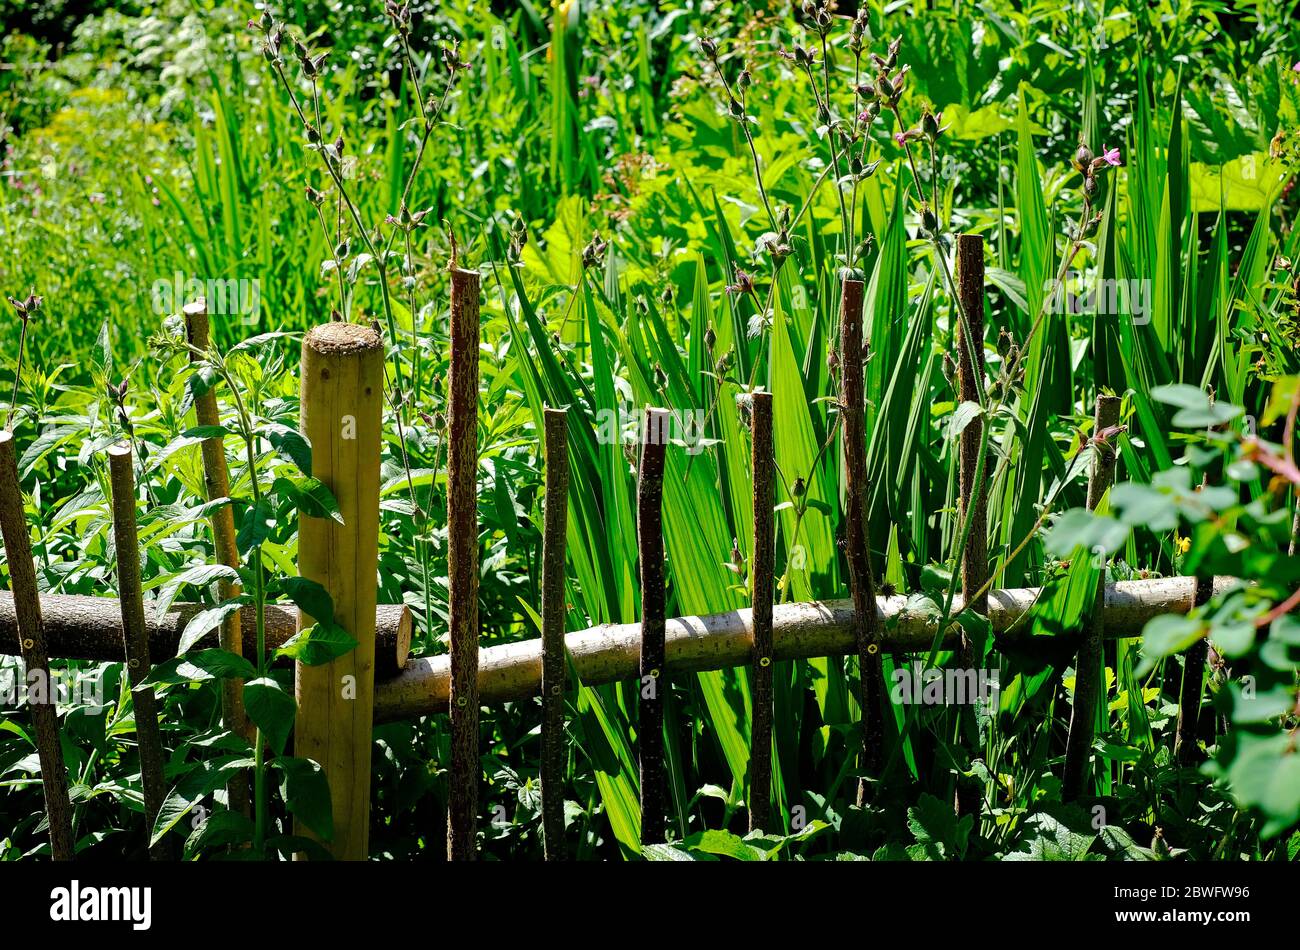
(1296,68)
(1111,155)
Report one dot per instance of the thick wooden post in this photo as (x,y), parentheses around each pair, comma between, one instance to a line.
(972,499)
(216,481)
(342,399)
(135,640)
(553,662)
(462,563)
(871,694)
(1088,674)
(36,660)
(761,577)
(653,683)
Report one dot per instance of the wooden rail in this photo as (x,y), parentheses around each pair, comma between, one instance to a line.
(610,652)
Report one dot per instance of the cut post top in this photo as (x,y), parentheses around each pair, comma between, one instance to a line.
(342,339)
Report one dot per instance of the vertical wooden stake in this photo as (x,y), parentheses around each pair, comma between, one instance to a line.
(975,556)
(653,684)
(871,695)
(760,751)
(1087,668)
(36,661)
(970,286)
(1186,751)
(342,399)
(462,562)
(216,480)
(135,639)
(553,663)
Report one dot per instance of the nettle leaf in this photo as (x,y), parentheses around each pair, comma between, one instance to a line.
(724,844)
(317,644)
(199,576)
(306,794)
(201,381)
(309,596)
(199,666)
(271,709)
(206,432)
(937,829)
(197,785)
(220,829)
(255,527)
(310,495)
(290,444)
(205,621)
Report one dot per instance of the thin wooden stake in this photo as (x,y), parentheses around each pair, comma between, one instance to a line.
(216,481)
(553,662)
(760,749)
(970,286)
(1186,751)
(1192,682)
(462,563)
(342,401)
(653,684)
(135,640)
(975,556)
(1088,665)
(36,661)
(871,694)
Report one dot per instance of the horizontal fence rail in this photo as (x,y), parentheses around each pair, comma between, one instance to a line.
(610,652)
(90,628)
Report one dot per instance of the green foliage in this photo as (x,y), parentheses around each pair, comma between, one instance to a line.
(598,169)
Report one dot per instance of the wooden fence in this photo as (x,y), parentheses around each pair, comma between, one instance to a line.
(342,378)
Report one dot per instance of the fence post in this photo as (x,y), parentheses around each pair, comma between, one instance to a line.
(972,499)
(1192,682)
(553,661)
(1087,666)
(36,660)
(871,695)
(135,640)
(763,463)
(342,398)
(653,683)
(462,562)
(216,482)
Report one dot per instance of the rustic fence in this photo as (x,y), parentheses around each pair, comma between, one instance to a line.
(342,377)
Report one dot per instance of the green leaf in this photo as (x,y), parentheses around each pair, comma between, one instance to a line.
(306,794)
(317,644)
(1166,635)
(197,785)
(200,666)
(310,495)
(205,621)
(271,709)
(309,596)
(220,829)
(255,527)
(290,444)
